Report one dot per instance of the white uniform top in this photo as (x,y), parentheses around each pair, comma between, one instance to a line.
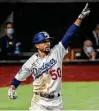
(48,70)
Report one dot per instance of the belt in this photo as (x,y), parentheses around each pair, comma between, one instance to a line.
(49,96)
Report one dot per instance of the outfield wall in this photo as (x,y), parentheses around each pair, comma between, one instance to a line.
(72,71)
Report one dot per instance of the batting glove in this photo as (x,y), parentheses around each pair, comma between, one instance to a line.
(84,12)
(12,94)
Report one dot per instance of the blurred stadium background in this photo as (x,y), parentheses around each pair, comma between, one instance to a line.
(55,18)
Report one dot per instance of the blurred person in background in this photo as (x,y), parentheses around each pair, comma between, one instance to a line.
(88,51)
(71,55)
(95,37)
(8,43)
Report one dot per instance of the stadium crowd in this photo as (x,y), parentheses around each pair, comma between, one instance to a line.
(10,48)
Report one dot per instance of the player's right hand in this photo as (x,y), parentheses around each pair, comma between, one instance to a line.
(11,93)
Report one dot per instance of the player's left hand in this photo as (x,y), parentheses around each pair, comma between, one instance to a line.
(84,12)
(12,94)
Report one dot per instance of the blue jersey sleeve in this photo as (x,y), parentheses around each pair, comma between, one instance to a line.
(15,82)
(70,33)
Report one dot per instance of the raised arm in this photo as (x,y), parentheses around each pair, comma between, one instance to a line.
(75,26)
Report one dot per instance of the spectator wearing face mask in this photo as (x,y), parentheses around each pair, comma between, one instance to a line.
(88,51)
(8,43)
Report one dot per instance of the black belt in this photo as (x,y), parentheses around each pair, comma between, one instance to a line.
(49,96)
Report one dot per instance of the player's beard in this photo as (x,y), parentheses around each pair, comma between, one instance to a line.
(47,50)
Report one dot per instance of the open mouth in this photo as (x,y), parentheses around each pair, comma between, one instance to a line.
(47,48)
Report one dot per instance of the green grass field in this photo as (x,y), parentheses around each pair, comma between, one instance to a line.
(76,96)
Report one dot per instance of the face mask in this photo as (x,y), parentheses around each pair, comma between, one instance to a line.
(10,31)
(89,49)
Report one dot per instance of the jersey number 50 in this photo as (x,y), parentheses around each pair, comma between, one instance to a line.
(55,73)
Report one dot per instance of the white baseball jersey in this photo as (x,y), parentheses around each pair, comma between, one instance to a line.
(46,71)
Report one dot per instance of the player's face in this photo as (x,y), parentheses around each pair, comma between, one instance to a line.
(44,46)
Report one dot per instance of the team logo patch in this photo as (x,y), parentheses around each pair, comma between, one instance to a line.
(44,68)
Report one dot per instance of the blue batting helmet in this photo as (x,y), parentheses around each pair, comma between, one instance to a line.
(39,37)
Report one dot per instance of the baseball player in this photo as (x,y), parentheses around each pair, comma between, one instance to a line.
(46,68)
